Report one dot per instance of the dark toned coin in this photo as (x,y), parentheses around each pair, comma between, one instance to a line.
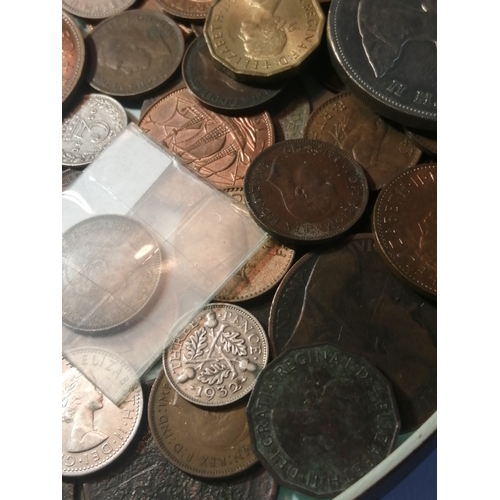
(217,90)
(73,56)
(68,491)
(353,301)
(96,9)
(386,51)
(305,191)
(426,140)
(186,9)
(206,443)
(133,52)
(321,418)
(382,150)
(405,226)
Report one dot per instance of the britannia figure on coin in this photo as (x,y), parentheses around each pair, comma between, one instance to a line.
(80,399)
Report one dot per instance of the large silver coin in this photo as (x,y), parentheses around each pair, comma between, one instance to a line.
(94,430)
(217,358)
(110,270)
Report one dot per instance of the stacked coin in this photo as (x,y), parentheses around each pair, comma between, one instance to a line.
(330,143)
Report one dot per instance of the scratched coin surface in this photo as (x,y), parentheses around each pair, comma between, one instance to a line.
(110,270)
(95,432)
(90,127)
(305,191)
(206,443)
(263,270)
(382,150)
(263,39)
(217,358)
(133,52)
(219,148)
(73,56)
(186,9)
(321,418)
(405,226)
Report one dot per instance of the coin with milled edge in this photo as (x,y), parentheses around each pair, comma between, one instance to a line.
(73,56)
(217,358)
(96,9)
(111,266)
(305,191)
(95,432)
(321,418)
(186,9)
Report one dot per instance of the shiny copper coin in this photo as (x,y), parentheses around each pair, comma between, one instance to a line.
(263,38)
(73,55)
(379,148)
(305,191)
(217,90)
(134,52)
(405,226)
(186,9)
(206,443)
(263,270)
(96,9)
(216,147)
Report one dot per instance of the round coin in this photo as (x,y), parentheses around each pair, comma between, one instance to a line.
(95,432)
(73,56)
(321,418)
(134,52)
(90,128)
(405,226)
(111,266)
(206,443)
(96,9)
(217,358)
(305,191)
(426,140)
(186,9)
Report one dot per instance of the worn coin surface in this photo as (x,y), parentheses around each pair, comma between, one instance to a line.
(73,55)
(382,150)
(68,176)
(405,226)
(254,39)
(426,140)
(321,418)
(133,52)
(95,432)
(90,127)
(110,270)
(96,9)
(186,9)
(206,443)
(217,358)
(305,191)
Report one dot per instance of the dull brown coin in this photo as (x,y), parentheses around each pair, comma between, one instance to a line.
(133,52)
(73,56)
(305,191)
(378,147)
(263,270)
(96,9)
(321,418)
(186,9)
(426,140)
(254,39)
(206,443)
(216,147)
(405,226)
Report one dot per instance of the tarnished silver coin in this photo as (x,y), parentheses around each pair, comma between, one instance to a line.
(68,176)
(94,430)
(96,9)
(216,359)
(111,265)
(90,128)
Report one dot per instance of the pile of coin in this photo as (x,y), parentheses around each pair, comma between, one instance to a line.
(320,119)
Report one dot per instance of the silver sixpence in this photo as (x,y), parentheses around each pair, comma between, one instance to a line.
(90,128)
(94,430)
(217,358)
(111,266)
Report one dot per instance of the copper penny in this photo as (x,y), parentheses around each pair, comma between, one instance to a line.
(73,55)
(216,147)
(186,9)
(206,443)
(134,52)
(379,148)
(305,191)
(405,226)
(96,9)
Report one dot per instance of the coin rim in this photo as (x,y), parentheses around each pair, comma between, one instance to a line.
(73,27)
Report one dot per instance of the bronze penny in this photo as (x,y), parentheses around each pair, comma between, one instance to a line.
(217,90)
(96,9)
(206,443)
(134,52)
(186,9)
(379,148)
(321,418)
(353,301)
(73,56)
(426,140)
(305,191)
(405,226)
(215,147)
